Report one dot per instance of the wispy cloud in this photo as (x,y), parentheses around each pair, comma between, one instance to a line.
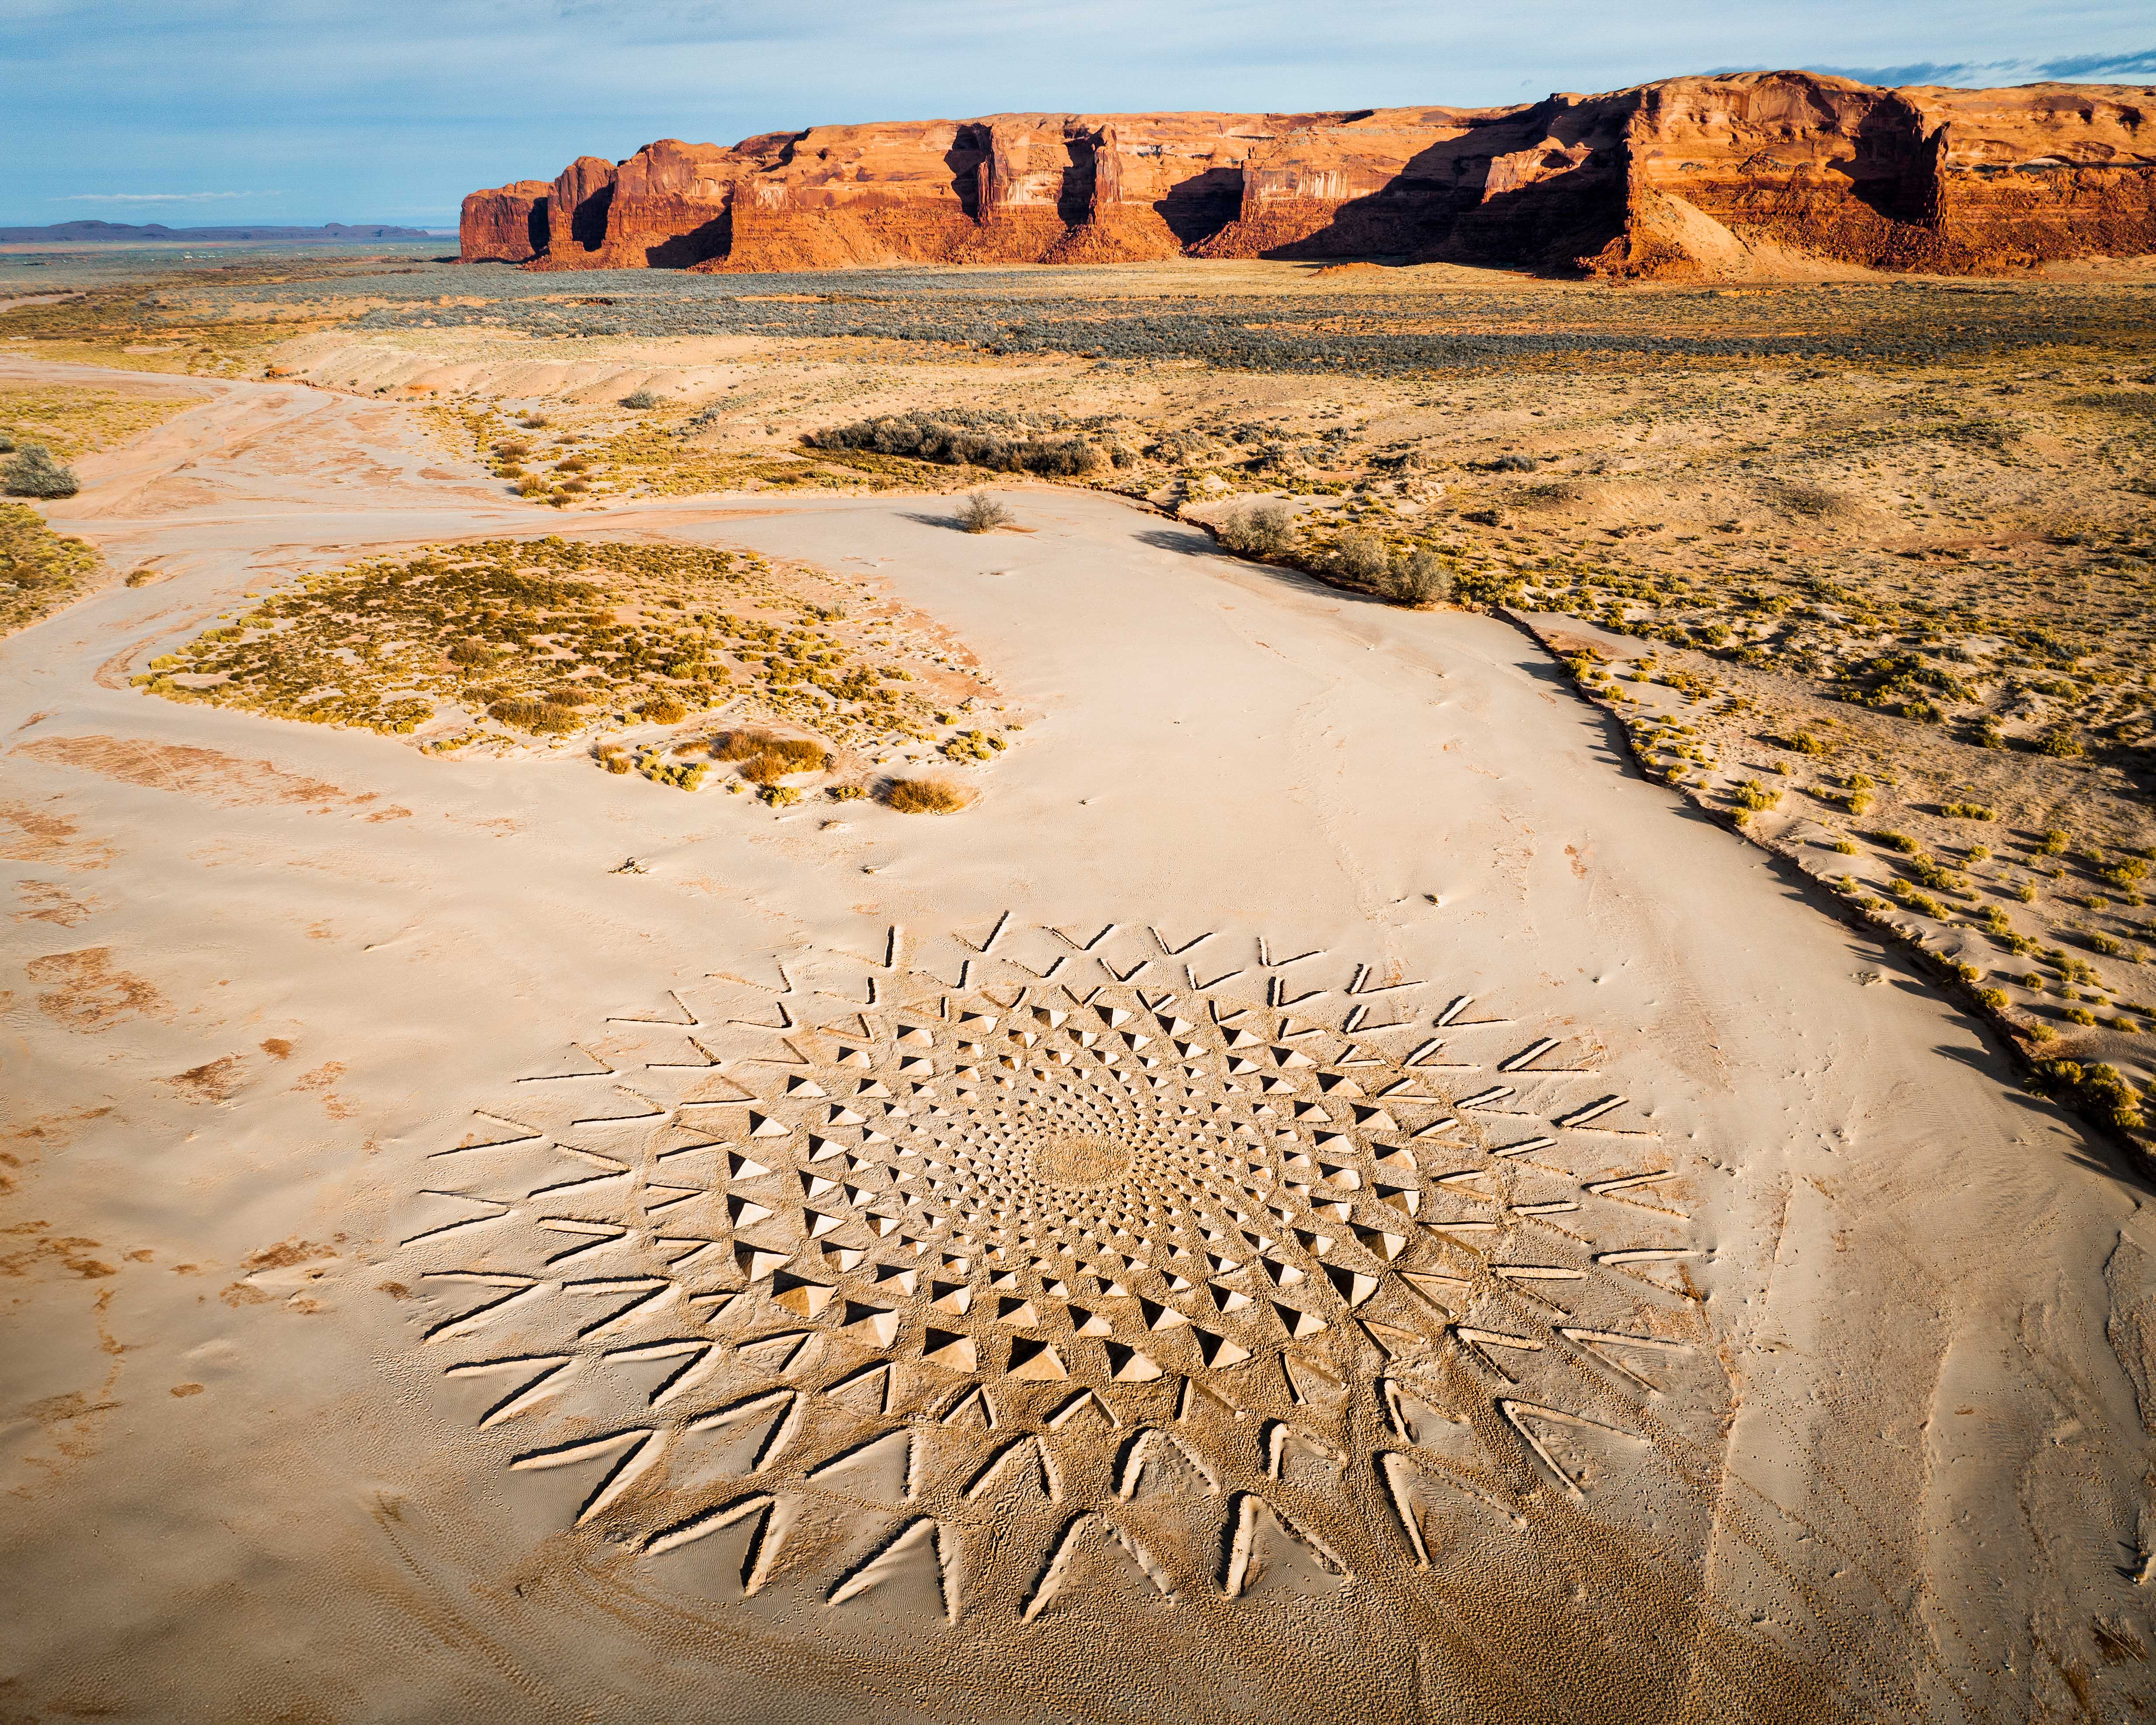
(2086,68)
(157,197)
(2099,65)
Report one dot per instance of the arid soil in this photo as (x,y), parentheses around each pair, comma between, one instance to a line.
(1339,1174)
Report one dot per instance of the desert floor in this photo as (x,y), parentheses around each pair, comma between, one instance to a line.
(451,1278)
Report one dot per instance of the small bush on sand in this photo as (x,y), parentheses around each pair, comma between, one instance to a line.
(33,472)
(845,793)
(642,399)
(664,709)
(980,513)
(924,796)
(2100,1090)
(765,759)
(1418,577)
(1263,529)
(1360,557)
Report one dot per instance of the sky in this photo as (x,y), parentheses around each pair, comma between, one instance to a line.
(208,112)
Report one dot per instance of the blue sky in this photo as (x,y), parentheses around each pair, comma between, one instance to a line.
(210,111)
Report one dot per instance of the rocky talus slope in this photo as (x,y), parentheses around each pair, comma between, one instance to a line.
(1690,177)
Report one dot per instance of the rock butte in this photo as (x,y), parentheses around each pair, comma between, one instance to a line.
(1676,178)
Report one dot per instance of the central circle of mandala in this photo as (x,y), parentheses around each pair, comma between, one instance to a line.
(1083,1160)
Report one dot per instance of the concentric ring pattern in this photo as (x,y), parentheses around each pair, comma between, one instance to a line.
(975,1279)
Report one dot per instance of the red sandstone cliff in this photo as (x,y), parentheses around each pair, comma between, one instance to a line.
(507,225)
(1687,176)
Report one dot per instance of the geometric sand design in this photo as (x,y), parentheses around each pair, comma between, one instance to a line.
(968,1284)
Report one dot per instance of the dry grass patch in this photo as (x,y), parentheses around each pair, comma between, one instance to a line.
(40,570)
(764,759)
(924,796)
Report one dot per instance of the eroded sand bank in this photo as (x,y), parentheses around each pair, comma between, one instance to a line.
(1835,1417)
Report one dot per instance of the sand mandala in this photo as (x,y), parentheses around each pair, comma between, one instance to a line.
(974,1281)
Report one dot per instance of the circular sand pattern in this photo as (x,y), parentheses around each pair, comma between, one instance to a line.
(978,1281)
(1081,1160)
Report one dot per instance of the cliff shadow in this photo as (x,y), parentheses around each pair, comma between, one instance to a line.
(588,221)
(1074,195)
(1198,207)
(1894,173)
(714,238)
(969,149)
(1411,215)
(1547,223)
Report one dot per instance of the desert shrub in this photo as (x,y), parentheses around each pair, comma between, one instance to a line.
(572,464)
(2127,873)
(2109,945)
(963,436)
(664,709)
(1897,841)
(765,759)
(535,422)
(1751,795)
(2080,1015)
(845,793)
(1968,811)
(33,472)
(471,653)
(1858,801)
(1928,873)
(1996,998)
(2054,840)
(1263,529)
(980,513)
(1809,500)
(924,796)
(1359,556)
(1803,744)
(543,718)
(781,796)
(1846,847)
(1515,464)
(642,399)
(2061,744)
(1418,576)
(972,746)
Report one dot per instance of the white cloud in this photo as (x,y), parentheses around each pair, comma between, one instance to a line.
(157,197)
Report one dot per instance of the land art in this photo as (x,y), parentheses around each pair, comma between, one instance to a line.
(1193,917)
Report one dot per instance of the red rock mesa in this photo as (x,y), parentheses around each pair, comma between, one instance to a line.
(1681,178)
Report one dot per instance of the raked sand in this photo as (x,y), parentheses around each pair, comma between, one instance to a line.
(449,1280)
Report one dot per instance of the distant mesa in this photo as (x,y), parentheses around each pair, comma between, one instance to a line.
(1690,177)
(134,234)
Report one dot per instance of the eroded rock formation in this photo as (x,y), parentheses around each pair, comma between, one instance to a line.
(506,225)
(1687,177)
